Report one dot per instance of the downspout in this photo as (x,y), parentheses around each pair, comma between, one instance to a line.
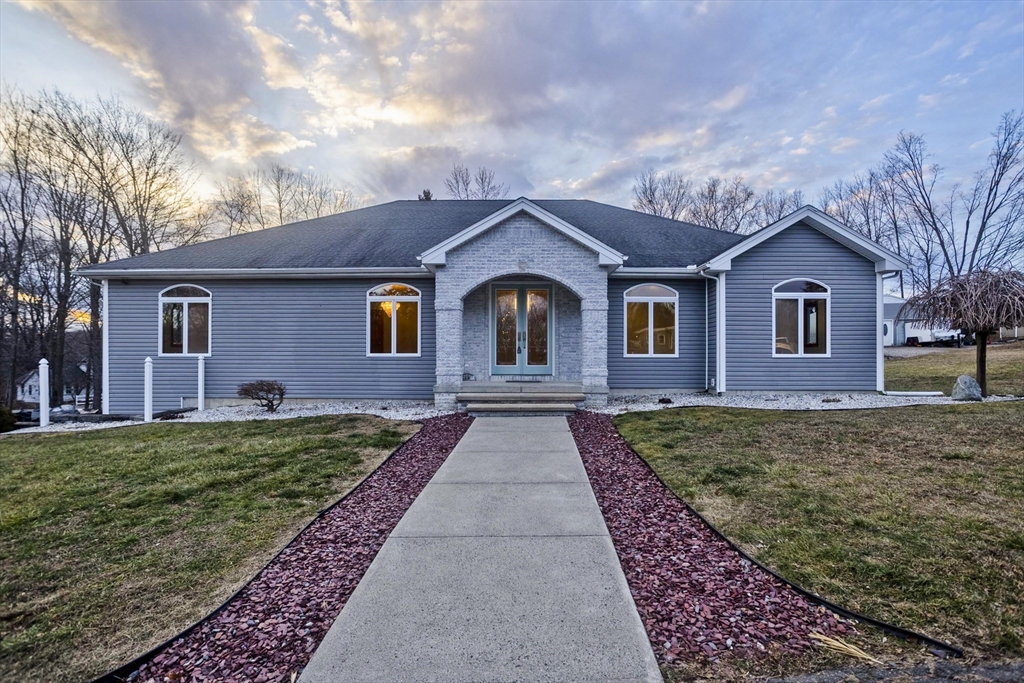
(880,316)
(707,331)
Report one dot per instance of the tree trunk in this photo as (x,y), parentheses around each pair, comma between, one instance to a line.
(982,339)
(58,353)
(12,376)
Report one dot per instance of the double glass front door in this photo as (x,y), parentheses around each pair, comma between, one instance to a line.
(521,330)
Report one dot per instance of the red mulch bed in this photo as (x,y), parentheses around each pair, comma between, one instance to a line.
(271,628)
(699,599)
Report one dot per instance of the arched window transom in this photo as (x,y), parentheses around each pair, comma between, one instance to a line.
(801,319)
(651,321)
(185,321)
(393,320)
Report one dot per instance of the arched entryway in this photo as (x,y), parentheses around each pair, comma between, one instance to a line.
(522,327)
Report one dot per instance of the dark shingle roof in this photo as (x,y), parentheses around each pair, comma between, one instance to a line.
(394,234)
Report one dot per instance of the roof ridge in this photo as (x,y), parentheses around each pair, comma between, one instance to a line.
(671,220)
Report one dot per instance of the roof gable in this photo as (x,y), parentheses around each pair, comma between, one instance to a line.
(435,255)
(885,260)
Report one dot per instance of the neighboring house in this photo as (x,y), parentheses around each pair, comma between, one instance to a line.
(900,324)
(420,300)
(75,381)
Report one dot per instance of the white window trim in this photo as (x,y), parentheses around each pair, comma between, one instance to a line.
(799,297)
(161,300)
(627,299)
(394,320)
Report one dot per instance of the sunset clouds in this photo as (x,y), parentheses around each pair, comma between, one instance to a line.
(561,99)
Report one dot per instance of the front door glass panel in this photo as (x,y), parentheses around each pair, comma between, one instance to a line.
(506,317)
(522,330)
(537,326)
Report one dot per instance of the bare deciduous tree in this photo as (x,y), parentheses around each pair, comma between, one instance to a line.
(20,194)
(80,183)
(461,184)
(135,166)
(668,194)
(977,228)
(774,205)
(729,205)
(72,129)
(265,198)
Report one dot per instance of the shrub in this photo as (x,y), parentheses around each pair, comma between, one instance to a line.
(267,393)
(6,419)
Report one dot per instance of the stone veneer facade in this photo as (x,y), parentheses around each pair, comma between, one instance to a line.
(521,248)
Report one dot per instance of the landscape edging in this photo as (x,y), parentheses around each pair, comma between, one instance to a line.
(122,673)
(897,631)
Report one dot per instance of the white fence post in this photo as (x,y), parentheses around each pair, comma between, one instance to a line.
(202,384)
(44,393)
(147,413)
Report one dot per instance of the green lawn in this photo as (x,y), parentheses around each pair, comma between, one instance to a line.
(912,515)
(938,371)
(113,540)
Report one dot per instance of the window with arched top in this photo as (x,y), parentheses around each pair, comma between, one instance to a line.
(801,319)
(393,320)
(185,321)
(651,321)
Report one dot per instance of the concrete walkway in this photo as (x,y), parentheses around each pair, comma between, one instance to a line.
(502,570)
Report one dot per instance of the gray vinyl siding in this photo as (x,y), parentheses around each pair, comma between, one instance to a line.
(685,372)
(308,334)
(800,251)
(712,312)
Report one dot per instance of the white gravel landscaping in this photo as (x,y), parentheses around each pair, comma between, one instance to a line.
(418,410)
(779,401)
(395,410)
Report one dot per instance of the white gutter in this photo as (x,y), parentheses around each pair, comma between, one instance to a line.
(706,332)
(880,335)
(253,273)
(105,331)
(625,271)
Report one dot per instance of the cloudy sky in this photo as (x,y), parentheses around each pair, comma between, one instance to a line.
(562,100)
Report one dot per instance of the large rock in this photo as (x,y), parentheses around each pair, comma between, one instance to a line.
(966,389)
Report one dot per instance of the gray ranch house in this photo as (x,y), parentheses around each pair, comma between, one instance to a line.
(461,301)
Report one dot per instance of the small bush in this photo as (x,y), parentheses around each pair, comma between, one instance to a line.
(6,420)
(267,393)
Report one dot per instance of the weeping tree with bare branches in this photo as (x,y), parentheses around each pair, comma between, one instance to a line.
(979,303)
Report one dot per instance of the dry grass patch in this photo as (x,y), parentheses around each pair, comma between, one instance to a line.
(113,540)
(938,371)
(911,515)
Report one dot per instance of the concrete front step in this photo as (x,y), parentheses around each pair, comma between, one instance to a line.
(531,397)
(520,408)
(481,387)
